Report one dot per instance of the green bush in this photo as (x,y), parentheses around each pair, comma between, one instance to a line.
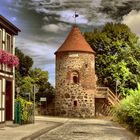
(128,111)
(26,110)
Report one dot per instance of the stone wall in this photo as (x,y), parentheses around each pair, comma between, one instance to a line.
(75,84)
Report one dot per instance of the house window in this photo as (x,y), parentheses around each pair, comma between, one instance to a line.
(86,65)
(12,44)
(8,42)
(0,39)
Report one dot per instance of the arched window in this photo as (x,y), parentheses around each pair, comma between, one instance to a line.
(75,103)
(86,65)
(75,77)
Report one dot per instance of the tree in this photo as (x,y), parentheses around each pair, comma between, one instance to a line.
(39,76)
(47,91)
(26,77)
(27,87)
(41,80)
(117,55)
(25,63)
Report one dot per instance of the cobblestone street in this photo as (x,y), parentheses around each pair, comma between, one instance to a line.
(87,129)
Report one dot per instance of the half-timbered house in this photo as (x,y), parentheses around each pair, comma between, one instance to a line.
(8,61)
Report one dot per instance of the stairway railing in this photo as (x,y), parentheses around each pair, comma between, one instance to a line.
(112,98)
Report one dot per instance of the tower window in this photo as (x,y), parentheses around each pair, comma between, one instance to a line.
(86,65)
(75,103)
(75,77)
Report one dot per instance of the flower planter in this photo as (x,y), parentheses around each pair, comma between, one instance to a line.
(8,59)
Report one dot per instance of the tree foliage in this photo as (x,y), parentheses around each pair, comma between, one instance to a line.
(128,111)
(39,76)
(23,81)
(25,63)
(117,56)
(26,78)
(26,87)
(41,80)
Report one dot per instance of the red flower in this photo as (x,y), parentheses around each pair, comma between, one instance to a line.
(9,59)
(13,61)
(5,57)
(0,56)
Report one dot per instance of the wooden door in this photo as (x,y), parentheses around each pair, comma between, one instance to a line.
(9,101)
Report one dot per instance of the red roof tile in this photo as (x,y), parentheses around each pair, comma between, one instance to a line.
(75,42)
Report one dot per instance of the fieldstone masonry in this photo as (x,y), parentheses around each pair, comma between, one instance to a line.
(75,84)
(75,77)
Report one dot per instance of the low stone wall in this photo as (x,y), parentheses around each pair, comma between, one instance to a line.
(46,109)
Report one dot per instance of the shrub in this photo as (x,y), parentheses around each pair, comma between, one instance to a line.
(25,110)
(128,111)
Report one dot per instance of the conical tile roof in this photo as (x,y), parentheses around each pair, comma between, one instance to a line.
(75,42)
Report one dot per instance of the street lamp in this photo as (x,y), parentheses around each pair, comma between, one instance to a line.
(117,83)
(18,91)
(35,90)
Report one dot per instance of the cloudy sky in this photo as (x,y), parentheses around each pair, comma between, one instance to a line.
(45,24)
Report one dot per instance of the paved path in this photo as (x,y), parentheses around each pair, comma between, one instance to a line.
(55,128)
(21,132)
(87,129)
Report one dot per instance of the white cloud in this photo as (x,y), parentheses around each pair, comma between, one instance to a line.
(132,20)
(56,14)
(41,53)
(55,28)
(42,10)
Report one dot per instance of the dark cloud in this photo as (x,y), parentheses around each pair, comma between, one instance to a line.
(46,23)
(117,9)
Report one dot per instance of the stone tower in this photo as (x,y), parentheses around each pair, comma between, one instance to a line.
(75,77)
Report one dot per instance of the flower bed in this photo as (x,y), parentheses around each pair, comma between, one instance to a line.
(9,59)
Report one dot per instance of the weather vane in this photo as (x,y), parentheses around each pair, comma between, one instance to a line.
(75,16)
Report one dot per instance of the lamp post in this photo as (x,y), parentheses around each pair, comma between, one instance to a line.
(35,90)
(18,91)
(117,83)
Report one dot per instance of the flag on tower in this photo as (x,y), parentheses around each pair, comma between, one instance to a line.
(76,15)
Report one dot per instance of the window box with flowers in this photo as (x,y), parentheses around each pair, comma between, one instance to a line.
(9,59)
